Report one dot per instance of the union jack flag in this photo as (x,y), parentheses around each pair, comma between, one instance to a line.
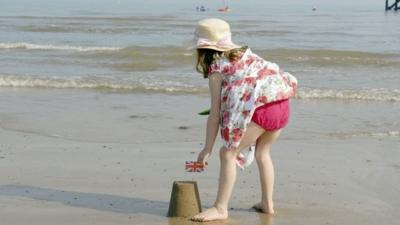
(194,166)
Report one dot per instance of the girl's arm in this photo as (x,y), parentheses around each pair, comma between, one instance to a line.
(215,82)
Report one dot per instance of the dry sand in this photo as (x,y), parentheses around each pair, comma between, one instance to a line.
(111,158)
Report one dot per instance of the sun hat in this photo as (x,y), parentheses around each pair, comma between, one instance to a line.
(214,34)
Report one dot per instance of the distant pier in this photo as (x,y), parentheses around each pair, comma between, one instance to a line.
(393,4)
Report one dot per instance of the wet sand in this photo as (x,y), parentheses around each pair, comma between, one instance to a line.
(111,158)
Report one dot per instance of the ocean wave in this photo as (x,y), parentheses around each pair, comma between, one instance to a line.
(30,46)
(178,54)
(139,18)
(180,87)
(175,55)
(386,134)
(90,28)
(146,58)
(95,18)
(364,95)
(331,57)
(382,134)
(99,83)
(101,24)
(265,33)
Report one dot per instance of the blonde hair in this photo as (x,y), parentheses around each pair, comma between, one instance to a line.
(206,57)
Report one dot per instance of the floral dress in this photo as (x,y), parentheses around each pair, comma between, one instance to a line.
(247,84)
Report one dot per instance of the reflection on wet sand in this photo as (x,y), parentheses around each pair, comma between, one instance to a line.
(97,201)
(187,221)
(263,219)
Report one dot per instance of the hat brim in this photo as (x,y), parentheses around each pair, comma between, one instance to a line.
(219,48)
(191,44)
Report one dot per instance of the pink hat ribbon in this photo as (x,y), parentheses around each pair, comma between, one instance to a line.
(223,43)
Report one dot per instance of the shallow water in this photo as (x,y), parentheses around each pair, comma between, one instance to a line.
(136,117)
(347,59)
(337,52)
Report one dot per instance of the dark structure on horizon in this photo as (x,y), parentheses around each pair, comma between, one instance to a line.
(395,5)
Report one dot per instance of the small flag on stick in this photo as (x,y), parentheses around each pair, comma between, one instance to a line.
(194,166)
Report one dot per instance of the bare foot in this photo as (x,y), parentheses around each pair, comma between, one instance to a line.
(264,208)
(211,214)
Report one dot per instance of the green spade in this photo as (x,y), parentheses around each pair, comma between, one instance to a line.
(205,112)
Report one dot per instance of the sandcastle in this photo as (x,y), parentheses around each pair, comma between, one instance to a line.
(185,199)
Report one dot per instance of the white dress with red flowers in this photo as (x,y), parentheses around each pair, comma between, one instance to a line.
(247,84)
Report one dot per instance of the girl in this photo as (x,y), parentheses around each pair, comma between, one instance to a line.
(249,99)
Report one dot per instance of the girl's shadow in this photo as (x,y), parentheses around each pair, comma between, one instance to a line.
(102,202)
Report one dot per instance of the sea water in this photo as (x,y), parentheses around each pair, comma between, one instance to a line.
(341,51)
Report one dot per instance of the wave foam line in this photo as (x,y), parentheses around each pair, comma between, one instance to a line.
(390,134)
(366,95)
(30,46)
(171,86)
(93,82)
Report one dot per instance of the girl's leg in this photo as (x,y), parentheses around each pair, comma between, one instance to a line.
(266,170)
(227,176)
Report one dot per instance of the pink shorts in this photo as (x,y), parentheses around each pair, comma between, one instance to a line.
(272,116)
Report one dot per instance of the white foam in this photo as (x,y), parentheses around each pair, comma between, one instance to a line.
(30,46)
(383,134)
(93,82)
(364,94)
(175,86)
(386,134)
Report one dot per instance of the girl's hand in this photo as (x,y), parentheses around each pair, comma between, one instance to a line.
(203,156)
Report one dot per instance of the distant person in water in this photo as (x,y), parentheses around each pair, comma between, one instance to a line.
(225,9)
(250,104)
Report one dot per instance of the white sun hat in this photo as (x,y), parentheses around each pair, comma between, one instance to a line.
(214,34)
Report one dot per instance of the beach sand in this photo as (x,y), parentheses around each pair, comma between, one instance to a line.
(85,157)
